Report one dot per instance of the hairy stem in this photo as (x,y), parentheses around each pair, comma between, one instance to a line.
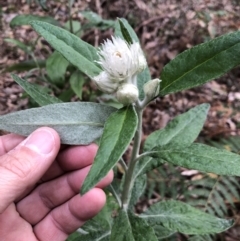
(70,3)
(128,183)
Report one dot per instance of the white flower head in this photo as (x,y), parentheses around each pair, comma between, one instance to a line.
(121,60)
(127,94)
(104,83)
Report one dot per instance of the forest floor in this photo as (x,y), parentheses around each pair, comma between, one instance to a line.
(165,28)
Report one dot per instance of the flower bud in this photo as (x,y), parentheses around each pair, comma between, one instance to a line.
(151,88)
(127,94)
(104,83)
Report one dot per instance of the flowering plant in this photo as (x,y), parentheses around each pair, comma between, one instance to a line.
(119,67)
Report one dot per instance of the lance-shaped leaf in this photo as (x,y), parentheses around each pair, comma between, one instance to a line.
(139,186)
(19,44)
(56,67)
(77,52)
(99,227)
(181,217)
(26,19)
(76,122)
(161,232)
(36,93)
(143,78)
(201,157)
(182,131)
(128,227)
(202,63)
(118,132)
(76,82)
(25,65)
(124,30)
(99,236)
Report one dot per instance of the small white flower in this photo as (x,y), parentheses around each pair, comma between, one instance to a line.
(104,83)
(127,94)
(121,60)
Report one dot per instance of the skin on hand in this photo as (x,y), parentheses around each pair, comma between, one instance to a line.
(39,187)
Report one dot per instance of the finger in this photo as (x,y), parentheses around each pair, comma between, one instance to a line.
(8,142)
(70,159)
(47,196)
(24,165)
(67,218)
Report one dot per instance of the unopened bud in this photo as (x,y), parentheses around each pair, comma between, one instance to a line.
(127,94)
(151,88)
(104,83)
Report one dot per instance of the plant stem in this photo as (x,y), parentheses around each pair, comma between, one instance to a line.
(128,183)
(70,3)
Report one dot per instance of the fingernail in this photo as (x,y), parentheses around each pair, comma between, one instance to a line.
(41,141)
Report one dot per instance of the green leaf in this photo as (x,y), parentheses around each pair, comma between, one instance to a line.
(76,123)
(201,157)
(20,20)
(181,217)
(19,44)
(161,232)
(118,132)
(95,20)
(76,82)
(142,79)
(73,236)
(36,93)
(26,65)
(126,35)
(202,63)
(56,68)
(182,130)
(99,227)
(127,30)
(99,236)
(76,26)
(103,220)
(138,189)
(43,5)
(66,95)
(201,238)
(128,227)
(77,52)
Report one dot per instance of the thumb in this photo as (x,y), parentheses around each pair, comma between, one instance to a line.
(23,166)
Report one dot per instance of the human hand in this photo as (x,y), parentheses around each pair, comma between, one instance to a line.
(39,187)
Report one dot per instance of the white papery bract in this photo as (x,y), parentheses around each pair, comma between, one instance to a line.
(138,57)
(116,59)
(127,94)
(120,60)
(105,84)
